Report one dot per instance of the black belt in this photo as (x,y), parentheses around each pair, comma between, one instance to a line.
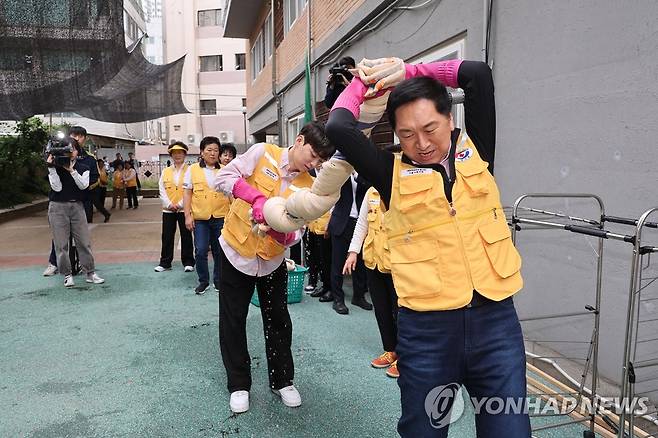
(478,300)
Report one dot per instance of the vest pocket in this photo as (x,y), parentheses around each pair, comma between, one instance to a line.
(414,190)
(497,241)
(270,248)
(415,268)
(264,183)
(239,225)
(475,176)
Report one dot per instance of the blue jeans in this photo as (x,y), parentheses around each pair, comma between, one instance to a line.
(206,233)
(480,348)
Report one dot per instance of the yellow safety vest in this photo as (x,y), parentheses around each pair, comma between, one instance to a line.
(173,188)
(131,182)
(439,258)
(375,247)
(117,182)
(319,225)
(206,201)
(237,229)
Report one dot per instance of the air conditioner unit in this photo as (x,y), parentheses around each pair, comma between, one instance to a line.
(226,136)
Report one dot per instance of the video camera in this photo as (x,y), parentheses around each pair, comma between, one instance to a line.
(61,150)
(337,70)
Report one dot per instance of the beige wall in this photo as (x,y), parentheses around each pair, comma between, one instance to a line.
(227,87)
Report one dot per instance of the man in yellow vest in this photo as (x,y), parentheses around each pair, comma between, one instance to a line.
(453,263)
(171,195)
(250,258)
(205,210)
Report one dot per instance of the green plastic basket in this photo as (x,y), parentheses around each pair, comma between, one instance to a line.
(295,286)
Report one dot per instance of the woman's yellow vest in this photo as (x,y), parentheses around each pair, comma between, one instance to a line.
(117,182)
(440,253)
(173,188)
(206,201)
(132,182)
(375,246)
(237,231)
(319,225)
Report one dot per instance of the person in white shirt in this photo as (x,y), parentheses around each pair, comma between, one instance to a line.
(253,256)
(171,195)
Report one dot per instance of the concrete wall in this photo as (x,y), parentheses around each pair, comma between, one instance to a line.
(577,88)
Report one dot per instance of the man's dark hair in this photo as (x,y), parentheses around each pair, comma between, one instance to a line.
(209,140)
(100,161)
(414,89)
(314,135)
(347,60)
(77,130)
(228,147)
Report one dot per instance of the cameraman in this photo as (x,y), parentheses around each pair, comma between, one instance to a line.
(339,78)
(69,180)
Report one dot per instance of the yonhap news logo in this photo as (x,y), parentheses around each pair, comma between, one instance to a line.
(444,405)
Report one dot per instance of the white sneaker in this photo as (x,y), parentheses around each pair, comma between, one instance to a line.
(50,271)
(239,401)
(161,269)
(68,281)
(93,277)
(189,268)
(289,396)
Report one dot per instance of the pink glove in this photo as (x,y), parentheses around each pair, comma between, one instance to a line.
(243,190)
(283,238)
(443,71)
(352,97)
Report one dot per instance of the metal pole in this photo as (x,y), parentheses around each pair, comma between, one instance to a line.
(244,120)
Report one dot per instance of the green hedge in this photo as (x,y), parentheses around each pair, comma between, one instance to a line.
(23,172)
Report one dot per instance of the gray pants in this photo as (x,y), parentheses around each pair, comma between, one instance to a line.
(66,219)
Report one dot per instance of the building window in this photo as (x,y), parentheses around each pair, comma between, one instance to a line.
(208,107)
(210,17)
(210,63)
(295,124)
(244,101)
(240,61)
(291,10)
(262,48)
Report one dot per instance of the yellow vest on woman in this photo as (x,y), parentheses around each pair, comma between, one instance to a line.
(174,189)
(440,253)
(237,229)
(375,247)
(319,225)
(117,181)
(206,201)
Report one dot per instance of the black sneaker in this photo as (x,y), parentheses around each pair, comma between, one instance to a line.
(201,288)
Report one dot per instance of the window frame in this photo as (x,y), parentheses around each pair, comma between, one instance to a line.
(204,112)
(238,64)
(216,20)
(219,62)
(298,121)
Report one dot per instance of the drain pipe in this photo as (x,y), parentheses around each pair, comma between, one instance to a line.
(277,99)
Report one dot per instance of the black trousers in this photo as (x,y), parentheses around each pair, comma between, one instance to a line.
(169,221)
(131,194)
(385,302)
(318,256)
(236,290)
(340,243)
(98,198)
(296,253)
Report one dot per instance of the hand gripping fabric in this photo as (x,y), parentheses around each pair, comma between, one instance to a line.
(306,205)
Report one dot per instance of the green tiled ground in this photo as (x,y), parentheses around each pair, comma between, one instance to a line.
(139,357)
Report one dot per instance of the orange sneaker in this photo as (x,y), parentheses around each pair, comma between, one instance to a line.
(392,371)
(385,360)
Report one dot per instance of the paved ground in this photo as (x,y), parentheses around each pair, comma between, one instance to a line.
(139,356)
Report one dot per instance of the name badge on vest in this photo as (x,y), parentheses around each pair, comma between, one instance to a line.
(373,201)
(270,173)
(464,154)
(416,171)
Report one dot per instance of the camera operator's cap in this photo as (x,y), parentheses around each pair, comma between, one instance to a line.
(177,147)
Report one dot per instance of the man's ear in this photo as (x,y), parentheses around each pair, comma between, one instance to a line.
(299,140)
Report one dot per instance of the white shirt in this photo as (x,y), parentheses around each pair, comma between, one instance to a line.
(82,181)
(360,229)
(209,172)
(243,166)
(163,193)
(354,212)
